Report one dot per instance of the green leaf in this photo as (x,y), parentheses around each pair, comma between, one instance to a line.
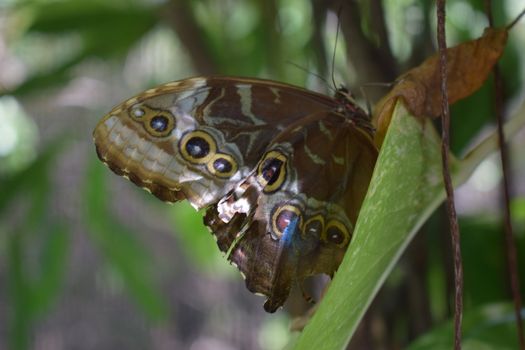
(53,268)
(106,28)
(13,184)
(53,77)
(481,246)
(126,255)
(103,29)
(197,240)
(86,15)
(32,292)
(22,317)
(490,327)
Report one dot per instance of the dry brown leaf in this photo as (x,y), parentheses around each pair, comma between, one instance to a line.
(469,65)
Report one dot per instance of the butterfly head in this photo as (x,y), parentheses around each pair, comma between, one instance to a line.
(348,106)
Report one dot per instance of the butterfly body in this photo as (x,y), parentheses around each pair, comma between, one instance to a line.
(281,170)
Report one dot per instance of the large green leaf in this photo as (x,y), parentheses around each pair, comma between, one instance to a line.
(32,287)
(84,15)
(405,189)
(102,29)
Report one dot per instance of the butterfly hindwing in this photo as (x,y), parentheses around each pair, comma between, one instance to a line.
(295,212)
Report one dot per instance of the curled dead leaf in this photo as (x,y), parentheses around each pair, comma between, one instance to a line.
(468,66)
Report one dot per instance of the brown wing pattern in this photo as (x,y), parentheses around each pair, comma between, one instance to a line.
(282,170)
(296,216)
(207,133)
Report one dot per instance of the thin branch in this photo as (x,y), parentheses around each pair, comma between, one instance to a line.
(512,259)
(511,252)
(454,227)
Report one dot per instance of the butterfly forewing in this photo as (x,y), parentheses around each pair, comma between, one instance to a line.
(207,118)
(282,170)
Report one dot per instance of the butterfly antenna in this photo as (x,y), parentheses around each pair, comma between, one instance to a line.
(310,72)
(367,100)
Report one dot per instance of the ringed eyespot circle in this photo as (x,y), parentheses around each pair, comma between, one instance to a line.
(222,165)
(158,123)
(197,147)
(283,216)
(314,226)
(271,172)
(336,233)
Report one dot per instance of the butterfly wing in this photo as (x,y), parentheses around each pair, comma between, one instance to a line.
(281,171)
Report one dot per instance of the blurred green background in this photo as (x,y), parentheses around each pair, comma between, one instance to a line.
(88,261)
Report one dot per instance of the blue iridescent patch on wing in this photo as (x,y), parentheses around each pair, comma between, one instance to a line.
(289,230)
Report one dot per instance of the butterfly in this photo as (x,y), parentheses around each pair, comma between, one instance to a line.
(281,171)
